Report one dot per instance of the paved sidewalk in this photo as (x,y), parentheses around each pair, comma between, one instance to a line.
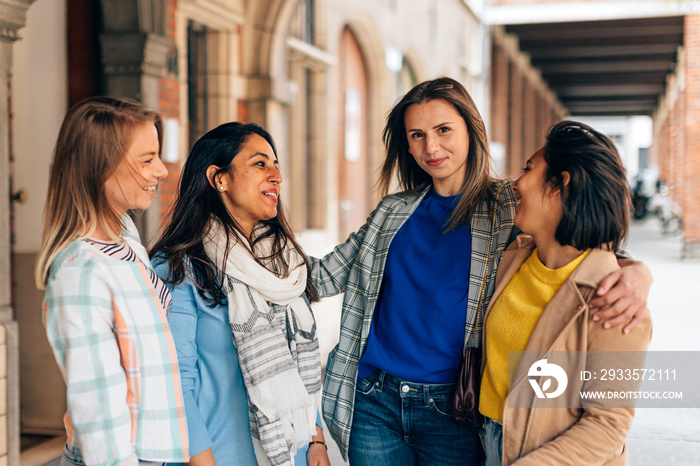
(667,436)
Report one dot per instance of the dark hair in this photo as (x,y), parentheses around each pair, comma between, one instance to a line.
(198,201)
(596,201)
(478,183)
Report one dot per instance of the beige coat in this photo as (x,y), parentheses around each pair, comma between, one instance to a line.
(558,436)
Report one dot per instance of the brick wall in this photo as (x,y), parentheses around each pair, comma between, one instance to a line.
(676,145)
(169,107)
(690,157)
(522,107)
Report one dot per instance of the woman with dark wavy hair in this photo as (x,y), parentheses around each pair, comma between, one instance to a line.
(573,209)
(417,278)
(241,319)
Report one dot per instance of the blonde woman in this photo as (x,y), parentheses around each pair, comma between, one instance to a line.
(104,308)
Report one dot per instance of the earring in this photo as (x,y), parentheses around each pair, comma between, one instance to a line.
(221,188)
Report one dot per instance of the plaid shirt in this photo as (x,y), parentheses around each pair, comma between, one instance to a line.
(110,337)
(357,267)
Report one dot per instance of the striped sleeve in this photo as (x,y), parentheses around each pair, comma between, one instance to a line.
(79,320)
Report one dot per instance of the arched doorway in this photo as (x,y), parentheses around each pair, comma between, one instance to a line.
(353,176)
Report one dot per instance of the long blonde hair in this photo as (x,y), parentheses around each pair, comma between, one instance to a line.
(94,138)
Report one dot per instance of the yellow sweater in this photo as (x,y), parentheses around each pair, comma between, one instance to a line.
(511,322)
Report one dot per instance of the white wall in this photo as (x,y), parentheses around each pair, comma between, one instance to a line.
(39,101)
(634,133)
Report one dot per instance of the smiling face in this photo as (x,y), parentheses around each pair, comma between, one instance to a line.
(439,142)
(133,184)
(250,190)
(539,208)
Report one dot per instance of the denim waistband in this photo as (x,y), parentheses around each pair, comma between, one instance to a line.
(407,389)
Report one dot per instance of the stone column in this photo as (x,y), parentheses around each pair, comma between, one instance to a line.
(136,57)
(12,18)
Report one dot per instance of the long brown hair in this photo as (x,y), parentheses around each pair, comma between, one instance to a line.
(181,245)
(94,138)
(478,183)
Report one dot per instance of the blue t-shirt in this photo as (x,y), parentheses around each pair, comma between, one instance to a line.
(417,331)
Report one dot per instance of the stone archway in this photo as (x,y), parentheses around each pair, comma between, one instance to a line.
(378,99)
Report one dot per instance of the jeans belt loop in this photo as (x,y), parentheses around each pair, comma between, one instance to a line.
(379,382)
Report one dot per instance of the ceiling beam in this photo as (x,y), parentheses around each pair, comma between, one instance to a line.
(605,78)
(563,51)
(572,31)
(610,89)
(594,106)
(602,67)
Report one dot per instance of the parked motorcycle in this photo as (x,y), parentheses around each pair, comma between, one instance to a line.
(639,201)
(669,212)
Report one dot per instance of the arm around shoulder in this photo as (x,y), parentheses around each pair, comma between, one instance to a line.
(330,273)
(622,295)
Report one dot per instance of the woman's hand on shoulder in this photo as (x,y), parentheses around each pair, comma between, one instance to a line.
(622,295)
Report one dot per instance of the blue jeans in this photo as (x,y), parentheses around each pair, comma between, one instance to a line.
(400,422)
(73,457)
(492,439)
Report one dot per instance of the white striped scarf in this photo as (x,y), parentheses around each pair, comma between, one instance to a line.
(274,332)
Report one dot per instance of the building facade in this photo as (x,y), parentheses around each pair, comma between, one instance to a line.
(320,75)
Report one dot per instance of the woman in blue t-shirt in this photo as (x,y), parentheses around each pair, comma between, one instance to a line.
(417,278)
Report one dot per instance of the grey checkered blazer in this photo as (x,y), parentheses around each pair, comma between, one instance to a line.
(357,267)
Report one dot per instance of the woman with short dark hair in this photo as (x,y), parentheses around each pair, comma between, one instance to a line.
(573,208)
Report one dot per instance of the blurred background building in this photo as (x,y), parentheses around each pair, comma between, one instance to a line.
(320,75)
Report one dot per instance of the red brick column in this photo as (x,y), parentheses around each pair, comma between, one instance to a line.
(499,95)
(529,121)
(514,149)
(169,106)
(691,165)
(676,153)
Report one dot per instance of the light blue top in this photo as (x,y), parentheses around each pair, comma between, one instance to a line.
(423,298)
(216,401)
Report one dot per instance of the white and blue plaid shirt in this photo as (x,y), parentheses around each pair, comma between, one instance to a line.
(109,334)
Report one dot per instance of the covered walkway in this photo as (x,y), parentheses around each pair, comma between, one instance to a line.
(624,65)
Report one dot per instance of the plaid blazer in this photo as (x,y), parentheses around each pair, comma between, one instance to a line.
(357,267)
(111,339)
